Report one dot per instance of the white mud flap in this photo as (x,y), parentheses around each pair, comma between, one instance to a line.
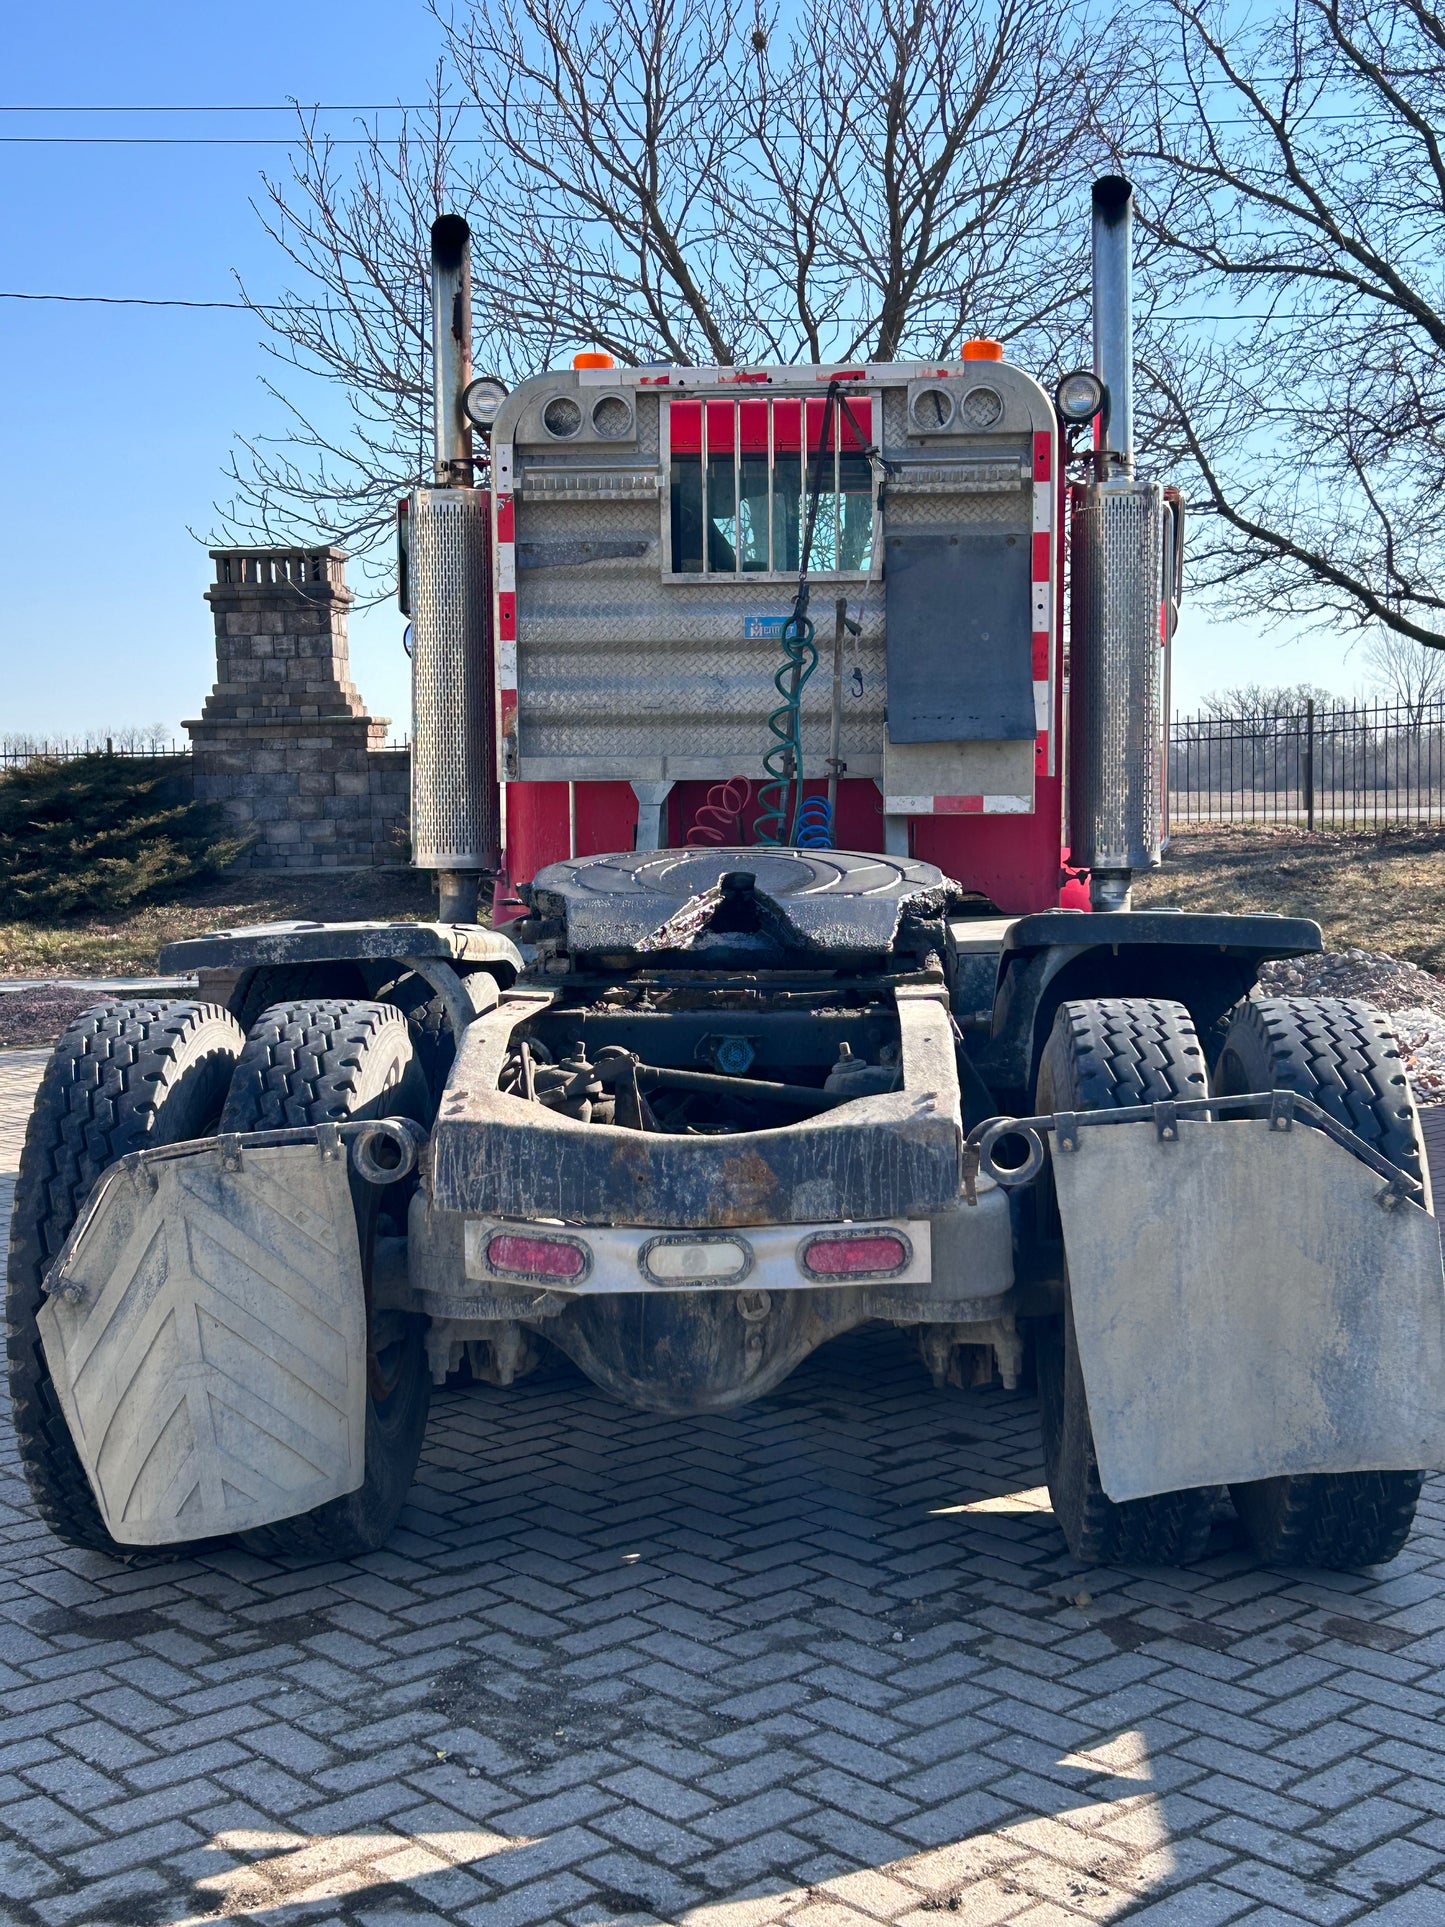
(1244,1306)
(206,1335)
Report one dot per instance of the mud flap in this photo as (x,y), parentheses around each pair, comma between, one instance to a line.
(206,1335)
(1245,1306)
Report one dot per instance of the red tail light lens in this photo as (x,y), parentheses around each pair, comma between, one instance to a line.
(864,1254)
(536,1257)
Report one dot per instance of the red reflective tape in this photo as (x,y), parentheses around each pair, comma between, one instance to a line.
(506,519)
(1043,456)
(958,806)
(1043,556)
(1041,656)
(507,615)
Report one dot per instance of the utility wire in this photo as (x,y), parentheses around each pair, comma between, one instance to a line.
(307,307)
(451,140)
(156,301)
(403,106)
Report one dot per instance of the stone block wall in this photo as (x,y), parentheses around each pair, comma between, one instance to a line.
(285,743)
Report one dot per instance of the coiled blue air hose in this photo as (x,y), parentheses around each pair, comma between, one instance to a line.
(814,829)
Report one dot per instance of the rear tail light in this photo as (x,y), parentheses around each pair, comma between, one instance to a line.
(532,1256)
(856,1254)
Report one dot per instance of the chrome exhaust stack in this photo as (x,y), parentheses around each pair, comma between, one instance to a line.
(1113,287)
(451,341)
(455,807)
(1116,771)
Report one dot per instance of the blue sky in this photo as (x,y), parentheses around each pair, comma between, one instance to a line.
(118,420)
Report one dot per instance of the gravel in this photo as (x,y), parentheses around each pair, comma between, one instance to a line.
(1412,999)
(40,1012)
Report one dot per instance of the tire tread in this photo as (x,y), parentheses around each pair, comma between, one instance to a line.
(1341,1053)
(98,1100)
(1104,1054)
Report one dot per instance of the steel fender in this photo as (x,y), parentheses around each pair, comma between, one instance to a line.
(1245,1306)
(206,1334)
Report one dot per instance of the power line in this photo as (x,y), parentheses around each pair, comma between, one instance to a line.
(214,140)
(156,301)
(257,107)
(308,307)
(393,106)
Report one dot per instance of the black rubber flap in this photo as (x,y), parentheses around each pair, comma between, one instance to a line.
(960,642)
(738,905)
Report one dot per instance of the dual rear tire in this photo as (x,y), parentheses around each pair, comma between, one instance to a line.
(1108,1053)
(131,1076)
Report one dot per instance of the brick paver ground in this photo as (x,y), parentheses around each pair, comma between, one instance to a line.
(823,1662)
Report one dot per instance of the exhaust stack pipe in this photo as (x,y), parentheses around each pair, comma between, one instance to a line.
(455,807)
(451,339)
(1117,538)
(1113,201)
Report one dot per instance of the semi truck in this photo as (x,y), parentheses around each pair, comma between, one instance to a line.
(786,742)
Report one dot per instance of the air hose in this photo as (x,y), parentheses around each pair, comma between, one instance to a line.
(813,829)
(779,823)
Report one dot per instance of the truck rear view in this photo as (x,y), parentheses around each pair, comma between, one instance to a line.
(810,997)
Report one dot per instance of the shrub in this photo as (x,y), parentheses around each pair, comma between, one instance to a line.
(100,833)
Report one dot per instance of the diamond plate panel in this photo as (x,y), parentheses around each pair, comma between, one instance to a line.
(622,672)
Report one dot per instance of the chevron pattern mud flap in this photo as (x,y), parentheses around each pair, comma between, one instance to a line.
(1245,1305)
(206,1334)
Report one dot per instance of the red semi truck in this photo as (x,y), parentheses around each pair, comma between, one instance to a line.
(805,804)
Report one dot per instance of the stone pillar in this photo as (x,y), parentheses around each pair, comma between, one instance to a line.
(284,741)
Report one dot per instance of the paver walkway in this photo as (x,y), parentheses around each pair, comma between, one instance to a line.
(821,1662)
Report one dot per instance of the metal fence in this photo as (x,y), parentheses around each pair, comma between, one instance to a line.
(1355,766)
(16,752)
(1352,766)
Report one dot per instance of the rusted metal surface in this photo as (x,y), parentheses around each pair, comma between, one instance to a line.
(887,1156)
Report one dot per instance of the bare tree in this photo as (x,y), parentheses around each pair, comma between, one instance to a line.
(350,338)
(1293,167)
(1408,675)
(673,180)
(1257,702)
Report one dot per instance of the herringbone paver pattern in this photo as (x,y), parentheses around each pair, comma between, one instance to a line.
(820,1663)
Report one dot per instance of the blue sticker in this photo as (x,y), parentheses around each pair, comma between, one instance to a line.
(763,628)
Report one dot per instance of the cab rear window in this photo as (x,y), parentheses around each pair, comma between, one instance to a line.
(740,476)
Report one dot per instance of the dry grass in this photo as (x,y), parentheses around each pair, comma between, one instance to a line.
(1366,889)
(1380,892)
(127,944)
